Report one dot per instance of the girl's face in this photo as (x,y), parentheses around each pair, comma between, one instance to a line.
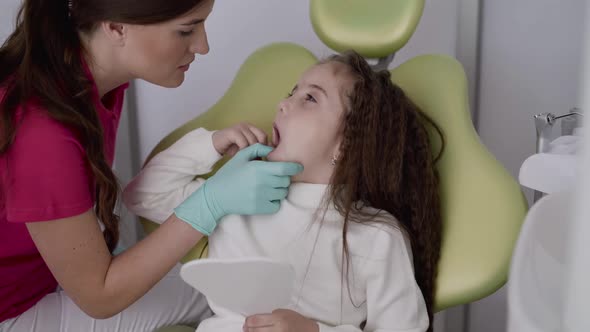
(307,127)
(161,53)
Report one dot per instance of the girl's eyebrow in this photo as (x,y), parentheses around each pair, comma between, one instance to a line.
(194,22)
(317,87)
(314,86)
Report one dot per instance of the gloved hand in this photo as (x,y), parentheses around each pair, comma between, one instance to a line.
(241,186)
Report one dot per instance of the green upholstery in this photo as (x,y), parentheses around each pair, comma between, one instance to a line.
(483,206)
(264,79)
(374,28)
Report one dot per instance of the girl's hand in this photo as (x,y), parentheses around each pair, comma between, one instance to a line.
(281,320)
(230,140)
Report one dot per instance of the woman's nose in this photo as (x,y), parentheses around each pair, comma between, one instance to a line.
(200,43)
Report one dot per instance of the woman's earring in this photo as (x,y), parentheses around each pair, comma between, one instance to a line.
(334,160)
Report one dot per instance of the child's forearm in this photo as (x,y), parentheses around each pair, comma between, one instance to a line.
(169,178)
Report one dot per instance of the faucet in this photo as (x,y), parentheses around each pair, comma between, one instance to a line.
(544,124)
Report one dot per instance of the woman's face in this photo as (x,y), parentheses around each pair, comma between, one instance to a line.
(161,53)
(307,127)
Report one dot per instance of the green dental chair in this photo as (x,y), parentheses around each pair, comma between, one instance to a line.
(483,206)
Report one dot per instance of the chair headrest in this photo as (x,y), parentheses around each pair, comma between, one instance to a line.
(373,28)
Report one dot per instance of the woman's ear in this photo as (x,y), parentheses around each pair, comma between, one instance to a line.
(117,33)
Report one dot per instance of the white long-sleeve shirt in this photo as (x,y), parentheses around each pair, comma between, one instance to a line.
(383,290)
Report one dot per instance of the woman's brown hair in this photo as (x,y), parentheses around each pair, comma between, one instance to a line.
(386,162)
(43,59)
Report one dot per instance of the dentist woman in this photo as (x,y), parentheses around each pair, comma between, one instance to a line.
(63,75)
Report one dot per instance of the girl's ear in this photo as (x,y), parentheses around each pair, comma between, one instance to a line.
(336,153)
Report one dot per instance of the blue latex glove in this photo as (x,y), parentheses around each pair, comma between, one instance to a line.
(242,186)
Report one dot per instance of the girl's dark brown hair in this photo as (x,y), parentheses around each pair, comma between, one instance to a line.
(43,59)
(386,162)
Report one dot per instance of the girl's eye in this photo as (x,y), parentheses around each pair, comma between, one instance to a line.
(310,98)
(186,33)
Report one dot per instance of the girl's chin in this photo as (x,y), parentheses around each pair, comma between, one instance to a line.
(278,155)
(273,156)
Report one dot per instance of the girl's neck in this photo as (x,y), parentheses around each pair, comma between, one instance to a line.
(317,175)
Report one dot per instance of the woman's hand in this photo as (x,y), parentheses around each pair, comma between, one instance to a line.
(281,320)
(230,140)
(242,186)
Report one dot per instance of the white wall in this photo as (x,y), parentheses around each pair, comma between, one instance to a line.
(530,64)
(8,10)
(531,53)
(237,28)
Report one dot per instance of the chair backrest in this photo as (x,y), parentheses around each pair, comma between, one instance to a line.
(483,206)
(373,28)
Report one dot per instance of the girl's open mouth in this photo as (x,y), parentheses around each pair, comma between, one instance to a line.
(276,135)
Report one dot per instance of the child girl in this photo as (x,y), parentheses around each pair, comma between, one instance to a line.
(361,224)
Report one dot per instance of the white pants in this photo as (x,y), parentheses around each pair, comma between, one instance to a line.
(169,302)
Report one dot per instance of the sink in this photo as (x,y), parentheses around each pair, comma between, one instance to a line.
(549,173)
(555,170)
(535,286)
